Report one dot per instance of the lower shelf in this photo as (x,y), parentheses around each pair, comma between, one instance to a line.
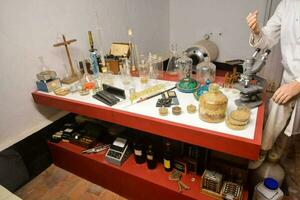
(131,180)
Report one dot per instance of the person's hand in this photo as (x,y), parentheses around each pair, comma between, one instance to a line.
(253,23)
(285,92)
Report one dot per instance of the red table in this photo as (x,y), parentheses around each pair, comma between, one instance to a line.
(68,156)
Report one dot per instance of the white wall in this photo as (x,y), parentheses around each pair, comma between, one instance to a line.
(28,29)
(191,19)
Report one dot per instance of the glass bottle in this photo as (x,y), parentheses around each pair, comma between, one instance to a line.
(134,53)
(139,152)
(206,70)
(151,157)
(213,105)
(168,157)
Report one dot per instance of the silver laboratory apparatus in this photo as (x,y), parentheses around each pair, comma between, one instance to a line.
(251,85)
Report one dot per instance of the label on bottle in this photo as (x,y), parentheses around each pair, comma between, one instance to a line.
(149,157)
(68,130)
(138,152)
(167,164)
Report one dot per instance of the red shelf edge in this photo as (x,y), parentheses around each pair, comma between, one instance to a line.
(65,155)
(233,145)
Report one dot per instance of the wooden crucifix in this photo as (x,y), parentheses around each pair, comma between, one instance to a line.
(73,77)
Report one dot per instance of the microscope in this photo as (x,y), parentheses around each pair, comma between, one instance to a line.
(250,85)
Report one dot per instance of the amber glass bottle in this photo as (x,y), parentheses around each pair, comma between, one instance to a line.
(151,157)
(139,152)
(168,157)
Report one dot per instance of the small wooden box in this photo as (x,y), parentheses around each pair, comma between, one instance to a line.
(120,49)
(211,179)
(113,66)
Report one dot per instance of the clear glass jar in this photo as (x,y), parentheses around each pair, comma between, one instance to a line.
(206,71)
(213,105)
(184,64)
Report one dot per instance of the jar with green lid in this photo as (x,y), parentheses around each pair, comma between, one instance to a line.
(213,105)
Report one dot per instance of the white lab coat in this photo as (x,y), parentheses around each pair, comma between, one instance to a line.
(283,26)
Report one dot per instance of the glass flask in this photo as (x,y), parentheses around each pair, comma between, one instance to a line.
(213,105)
(172,68)
(206,71)
(186,84)
(159,68)
(184,64)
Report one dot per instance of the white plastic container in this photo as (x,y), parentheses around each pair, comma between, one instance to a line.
(267,190)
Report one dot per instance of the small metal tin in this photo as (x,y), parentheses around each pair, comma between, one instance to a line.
(191,109)
(176,110)
(163,111)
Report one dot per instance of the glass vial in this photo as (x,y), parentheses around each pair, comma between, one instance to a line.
(168,157)
(151,158)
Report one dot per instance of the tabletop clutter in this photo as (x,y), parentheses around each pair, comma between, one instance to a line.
(126,76)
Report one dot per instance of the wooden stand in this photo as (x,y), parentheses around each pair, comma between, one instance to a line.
(73,77)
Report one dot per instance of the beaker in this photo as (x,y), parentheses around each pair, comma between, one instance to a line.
(158,67)
(125,72)
(144,72)
(107,75)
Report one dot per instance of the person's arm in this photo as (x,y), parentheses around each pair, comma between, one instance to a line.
(269,35)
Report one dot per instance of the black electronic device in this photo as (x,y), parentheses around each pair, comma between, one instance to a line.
(118,152)
(106,98)
(114,90)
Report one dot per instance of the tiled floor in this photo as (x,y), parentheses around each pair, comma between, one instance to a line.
(57,184)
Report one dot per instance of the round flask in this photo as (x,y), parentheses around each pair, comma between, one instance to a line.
(184,64)
(206,71)
(213,105)
(186,84)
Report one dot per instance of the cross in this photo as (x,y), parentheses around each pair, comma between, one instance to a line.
(65,43)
